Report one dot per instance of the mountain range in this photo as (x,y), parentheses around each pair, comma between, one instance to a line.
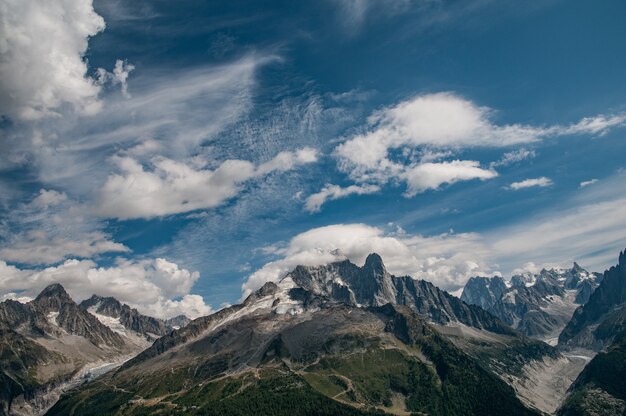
(538,305)
(52,343)
(335,339)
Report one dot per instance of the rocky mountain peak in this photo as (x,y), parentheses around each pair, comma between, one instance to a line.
(53,297)
(483,291)
(524,279)
(374,263)
(268,289)
(372,286)
(124,315)
(54,290)
(108,306)
(594,324)
(539,305)
(177,322)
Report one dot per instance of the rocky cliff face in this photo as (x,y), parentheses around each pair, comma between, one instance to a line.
(372,285)
(125,316)
(596,323)
(538,305)
(600,389)
(54,313)
(484,291)
(336,339)
(177,322)
(51,343)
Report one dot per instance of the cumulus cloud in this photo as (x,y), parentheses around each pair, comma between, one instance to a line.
(447,260)
(541,182)
(438,120)
(514,156)
(528,267)
(155,287)
(172,187)
(332,192)
(587,183)
(48,198)
(42,48)
(446,119)
(119,76)
(426,176)
(443,121)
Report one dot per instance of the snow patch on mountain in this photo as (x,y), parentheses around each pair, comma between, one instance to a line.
(113,323)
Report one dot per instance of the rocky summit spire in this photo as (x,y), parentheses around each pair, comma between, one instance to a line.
(375,263)
(53,297)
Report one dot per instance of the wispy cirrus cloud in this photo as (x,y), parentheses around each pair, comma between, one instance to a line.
(587,227)
(514,156)
(354,13)
(51,228)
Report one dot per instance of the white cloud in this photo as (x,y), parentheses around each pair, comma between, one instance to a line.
(39,247)
(432,175)
(529,267)
(172,114)
(48,198)
(445,119)
(286,160)
(119,76)
(173,187)
(155,287)
(587,183)
(447,260)
(529,183)
(587,228)
(51,228)
(590,231)
(514,156)
(332,192)
(42,45)
(442,121)
(600,124)
(437,120)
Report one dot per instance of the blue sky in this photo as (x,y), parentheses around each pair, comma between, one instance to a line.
(178,156)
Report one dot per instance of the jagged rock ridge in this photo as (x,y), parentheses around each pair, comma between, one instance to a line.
(149,327)
(51,343)
(538,305)
(348,338)
(596,323)
(373,285)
